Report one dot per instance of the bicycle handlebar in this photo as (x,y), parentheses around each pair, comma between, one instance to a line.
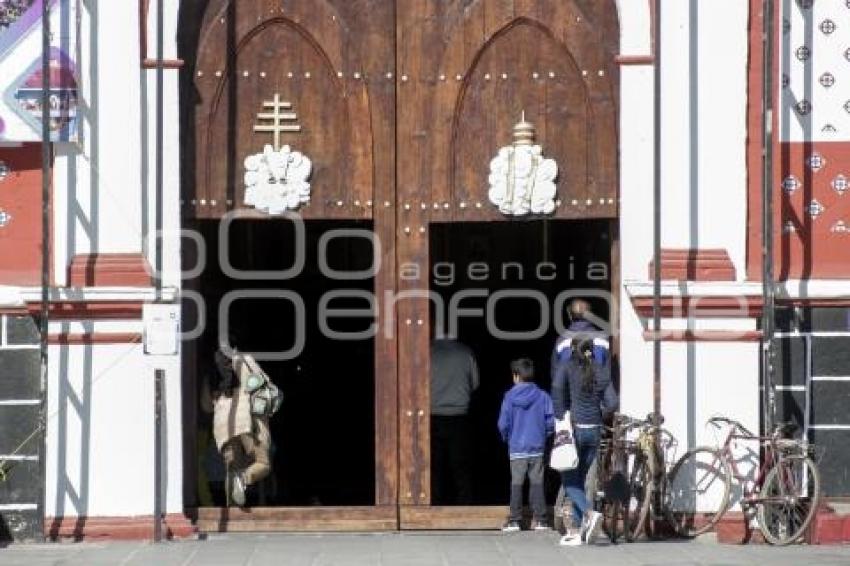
(731,422)
(651,419)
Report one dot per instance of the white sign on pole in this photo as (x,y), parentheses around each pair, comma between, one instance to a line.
(162,329)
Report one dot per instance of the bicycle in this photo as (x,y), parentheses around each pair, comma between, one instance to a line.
(646,511)
(785,493)
(608,478)
(606,481)
(625,477)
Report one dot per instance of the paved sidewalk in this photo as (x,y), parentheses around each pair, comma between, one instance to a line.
(438,549)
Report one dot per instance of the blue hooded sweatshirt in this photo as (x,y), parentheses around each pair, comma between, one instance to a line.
(526,419)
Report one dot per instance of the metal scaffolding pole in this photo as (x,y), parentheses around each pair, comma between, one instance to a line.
(45,260)
(656,290)
(159,64)
(159,374)
(768,283)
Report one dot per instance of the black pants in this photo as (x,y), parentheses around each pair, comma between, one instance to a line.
(533,469)
(451,464)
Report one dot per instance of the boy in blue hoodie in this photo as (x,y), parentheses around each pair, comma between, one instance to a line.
(526,419)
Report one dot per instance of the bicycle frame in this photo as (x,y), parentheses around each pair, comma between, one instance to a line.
(770,458)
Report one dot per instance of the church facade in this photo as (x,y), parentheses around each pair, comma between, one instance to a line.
(331,178)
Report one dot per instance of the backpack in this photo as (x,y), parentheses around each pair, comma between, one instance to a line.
(266,397)
(266,401)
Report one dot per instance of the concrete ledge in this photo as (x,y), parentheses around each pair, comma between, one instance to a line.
(828,527)
(175,526)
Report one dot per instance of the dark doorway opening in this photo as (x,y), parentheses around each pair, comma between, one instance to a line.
(324,435)
(523,268)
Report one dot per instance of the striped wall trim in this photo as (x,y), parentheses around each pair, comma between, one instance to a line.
(830,427)
(790,387)
(19,402)
(18,458)
(703,335)
(831,378)
(84,338)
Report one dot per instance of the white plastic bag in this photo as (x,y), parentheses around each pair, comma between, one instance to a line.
(564,454)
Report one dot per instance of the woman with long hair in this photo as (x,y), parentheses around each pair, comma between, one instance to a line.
(582,387)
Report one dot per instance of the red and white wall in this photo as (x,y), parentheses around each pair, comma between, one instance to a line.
(101,396)
(100,426)
(710,361)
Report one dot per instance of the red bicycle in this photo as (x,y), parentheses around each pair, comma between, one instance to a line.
(785,494)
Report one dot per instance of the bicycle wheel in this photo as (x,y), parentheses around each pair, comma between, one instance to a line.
(611,508)
(698,489)
(612,519)
(616,489)
(657,525)
(636,509)
(789,500)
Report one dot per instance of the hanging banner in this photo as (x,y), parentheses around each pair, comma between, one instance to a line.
(21,77)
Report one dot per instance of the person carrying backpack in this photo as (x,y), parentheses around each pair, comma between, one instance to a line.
(241,412)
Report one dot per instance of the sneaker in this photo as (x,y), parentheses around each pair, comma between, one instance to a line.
(511,527)
(237,490)
(574,541)
(571,538)
(540,526)
(594,523)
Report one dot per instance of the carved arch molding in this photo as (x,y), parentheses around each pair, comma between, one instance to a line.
(402,102)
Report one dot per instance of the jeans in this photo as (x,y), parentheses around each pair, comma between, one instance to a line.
(587,444)
(534,469)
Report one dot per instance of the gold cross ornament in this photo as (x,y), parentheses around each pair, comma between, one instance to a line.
(275,121)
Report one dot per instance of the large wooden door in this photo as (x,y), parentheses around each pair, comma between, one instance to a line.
(402,105)
(333,63)
(469,69)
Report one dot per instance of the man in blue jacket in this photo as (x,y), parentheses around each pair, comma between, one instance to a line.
(526,419)
(580,327)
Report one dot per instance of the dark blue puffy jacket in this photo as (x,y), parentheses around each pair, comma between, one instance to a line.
(586,406)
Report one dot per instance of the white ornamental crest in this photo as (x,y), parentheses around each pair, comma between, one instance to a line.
(522,181)
(277,181)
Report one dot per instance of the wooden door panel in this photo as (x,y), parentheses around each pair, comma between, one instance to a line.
(346,108)
(473,67)
(557,109)
(329,60)
(469,68)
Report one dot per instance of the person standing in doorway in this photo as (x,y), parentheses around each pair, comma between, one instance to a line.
(583,387)
(241,414)
(454,378)
(526,420)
